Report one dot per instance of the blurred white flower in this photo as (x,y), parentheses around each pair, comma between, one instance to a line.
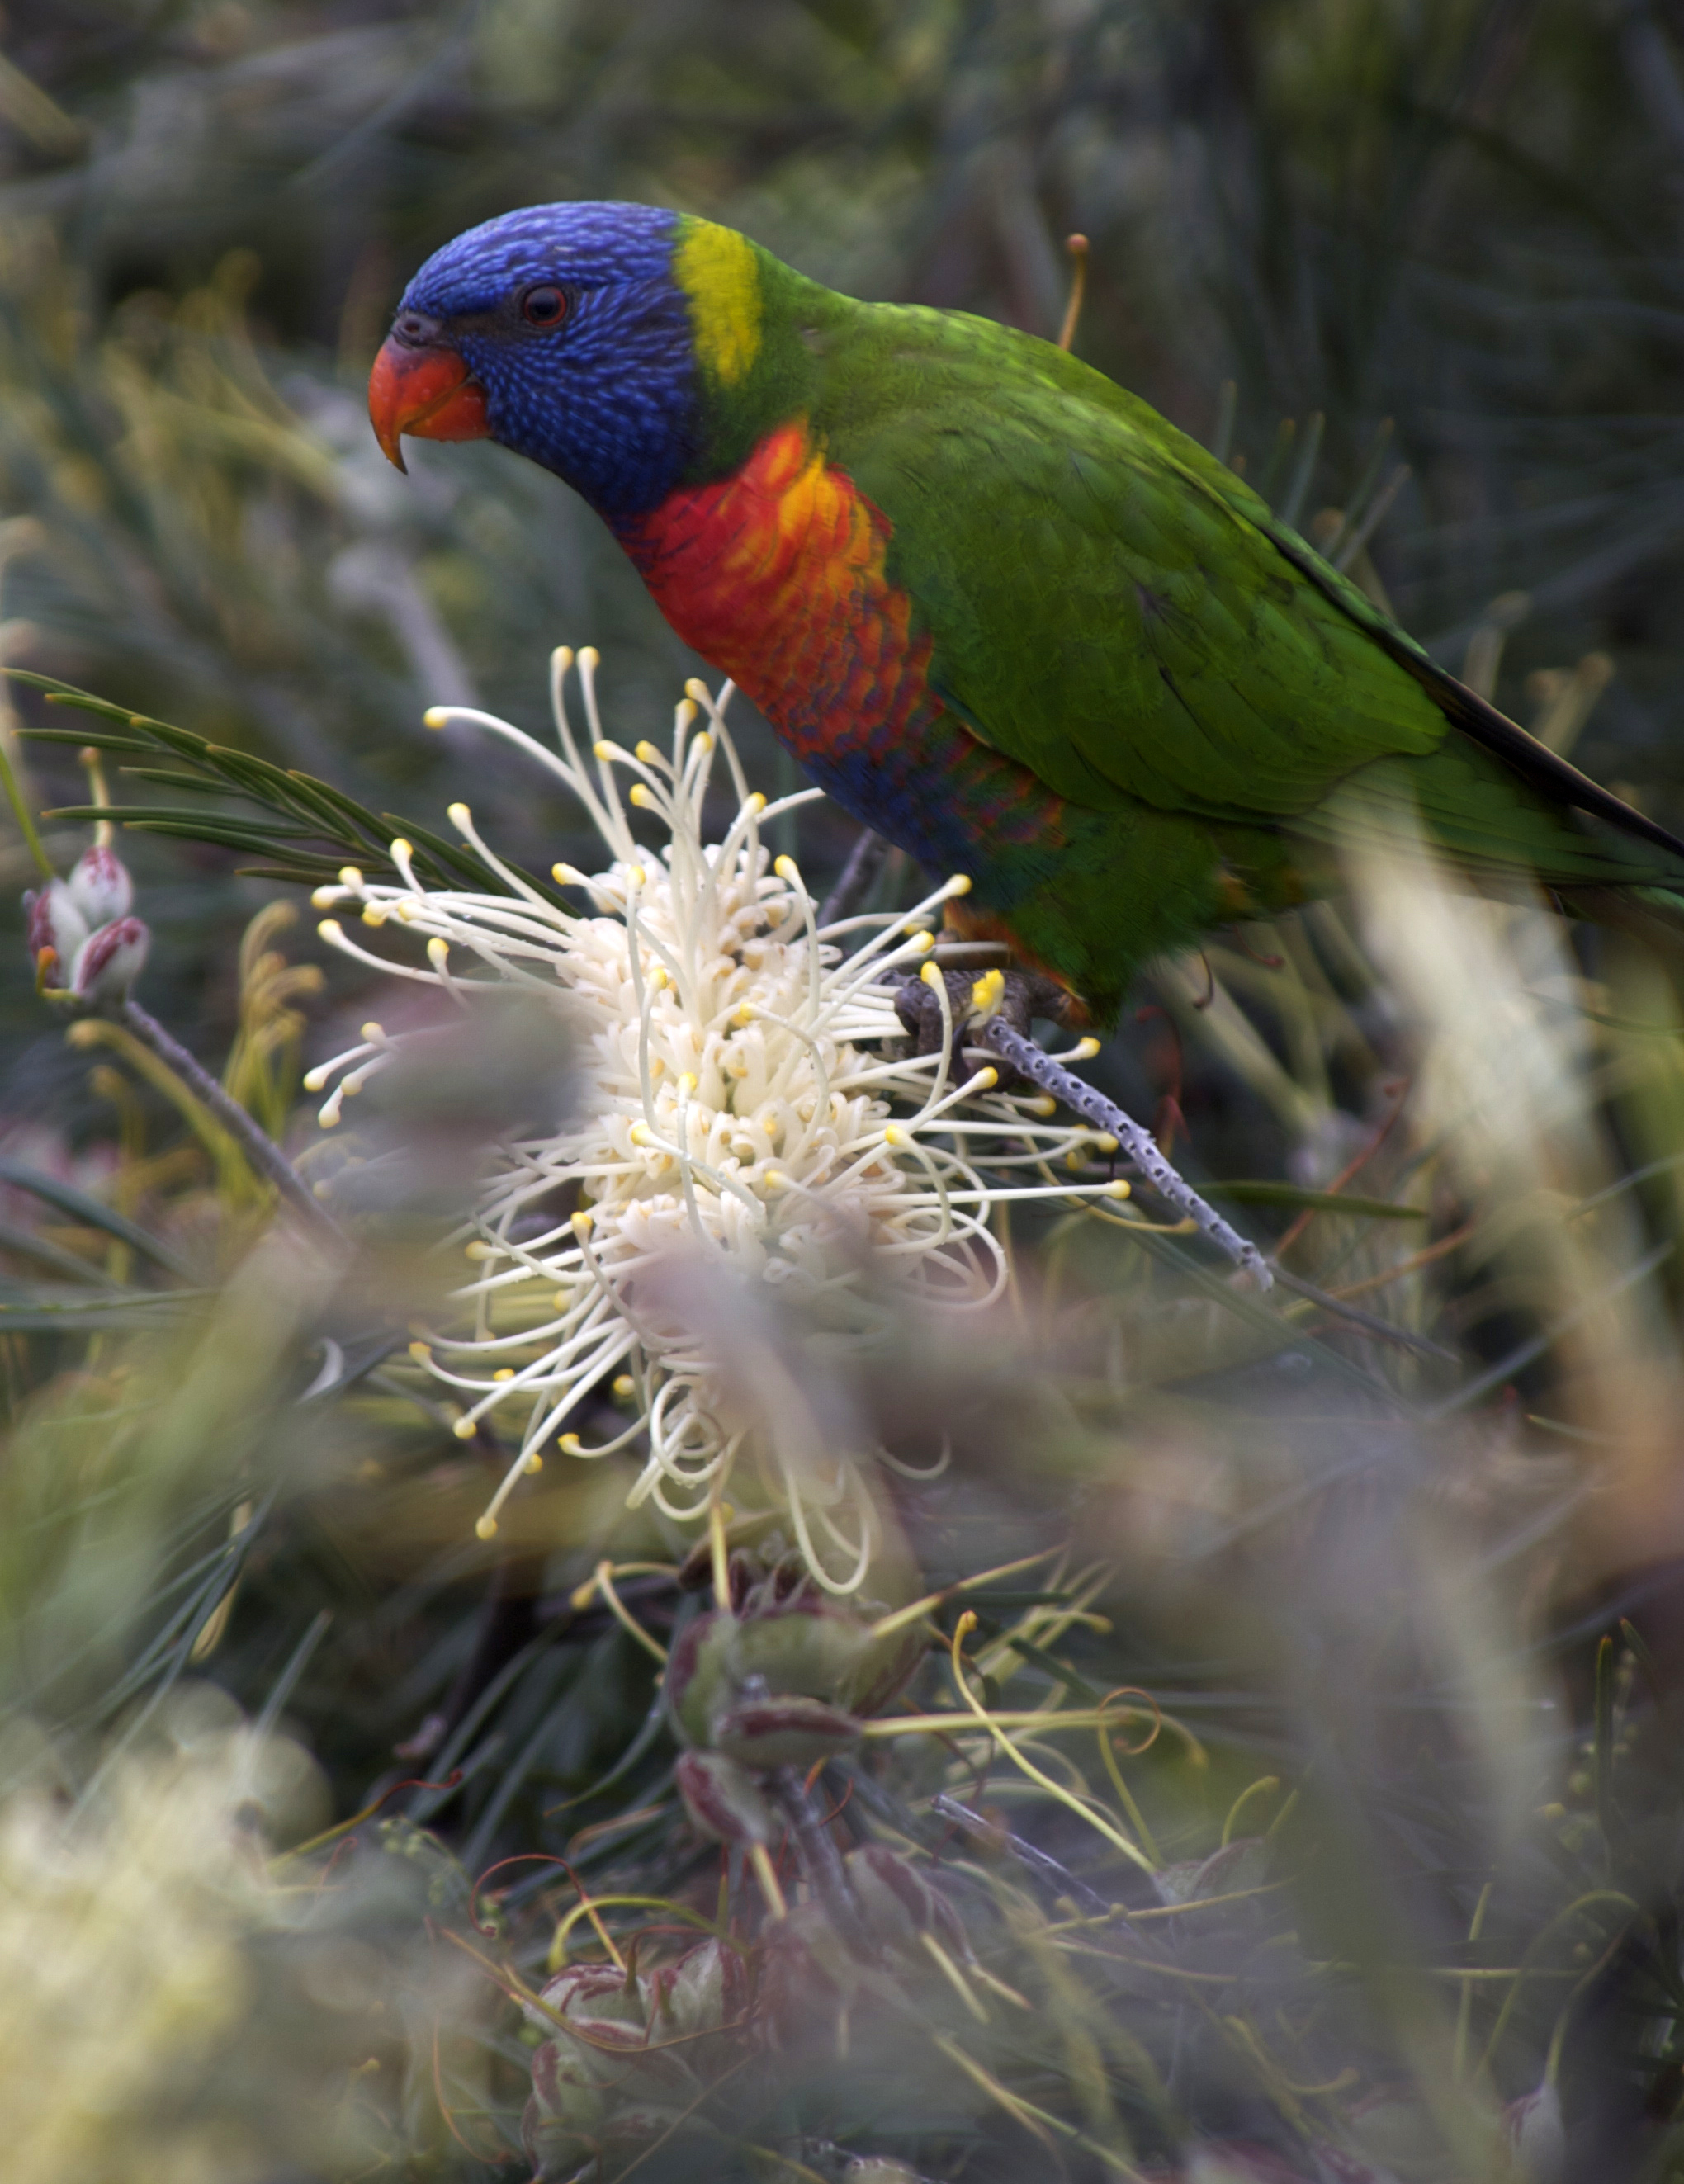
(126,1971)
(744,1103)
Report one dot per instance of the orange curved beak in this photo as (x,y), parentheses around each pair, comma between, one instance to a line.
(426,393)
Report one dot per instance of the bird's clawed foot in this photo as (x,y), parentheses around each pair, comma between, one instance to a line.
(978,990)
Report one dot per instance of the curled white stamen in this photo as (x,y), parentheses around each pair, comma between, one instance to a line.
(744,1092)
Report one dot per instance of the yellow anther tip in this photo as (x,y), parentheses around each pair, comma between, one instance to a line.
(459,815)
(331,929)
(589,657)
(571,1444)
(897,1137)
(464,1429)
(647,752)
(373,1033)
(687,1083)
(756,801)
(604,750)
(923,941)
(421,1352)
(641,1134)
(313,1079)
(324,898)
(486,1528)
(930,975)
(1118,1190)
(531,1462)
(401,848)
(479,1248)
(349,876)
(1105,1143)
(375,916)
(1086,1049)
(1042,1104)
(435,716)
(636,875)
(504,1373)
(624,1385)
(567,876)
(786,868)
(638,795)
(776,1179)
(704,743)
(583,1222)
(959,885)
(985,1080)
(696,689)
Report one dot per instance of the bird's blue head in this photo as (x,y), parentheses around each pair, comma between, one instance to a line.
(567,332)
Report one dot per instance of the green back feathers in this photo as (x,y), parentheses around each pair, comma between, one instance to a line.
(1112,607)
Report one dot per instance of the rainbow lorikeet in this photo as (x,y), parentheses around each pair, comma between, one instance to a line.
(994,604)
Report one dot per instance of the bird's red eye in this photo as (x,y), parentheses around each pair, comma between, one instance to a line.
(543,306)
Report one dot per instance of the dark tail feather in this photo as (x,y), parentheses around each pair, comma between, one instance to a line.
(1465,709)
(1533,761)
(1650,914)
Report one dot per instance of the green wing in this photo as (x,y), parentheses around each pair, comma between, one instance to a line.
(1099,610)
(1117,610)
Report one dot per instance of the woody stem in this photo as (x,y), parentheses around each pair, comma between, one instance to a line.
(260,1150)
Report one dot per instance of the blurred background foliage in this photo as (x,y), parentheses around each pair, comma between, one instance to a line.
(1373,1588)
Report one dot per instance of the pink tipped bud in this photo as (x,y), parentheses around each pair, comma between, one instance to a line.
(108,962)
(57,931)
(101,887)
(787,1731)
(723,1800)
(898,1903)
(1534,2131)
(706,1990)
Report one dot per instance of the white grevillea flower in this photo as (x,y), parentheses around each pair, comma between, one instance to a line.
(743,1100)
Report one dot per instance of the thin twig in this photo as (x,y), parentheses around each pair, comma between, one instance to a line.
(1382,1329)
(261,1150)
(1034,1061)
(820,1858)
(864,862)
(1045,1869)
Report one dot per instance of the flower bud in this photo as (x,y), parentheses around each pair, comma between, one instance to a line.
(808,1646)
(898,1903)
(108,962)
(556,2152)
(706,1990)
(1396,2131)
(808,1978)
(801,1648)
(788,1730)
(1235,2161)
(100,886)
(597,1993)
(57,931)
(563,2088)
(1239,1865)
(1534,2131)
(723,1800)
